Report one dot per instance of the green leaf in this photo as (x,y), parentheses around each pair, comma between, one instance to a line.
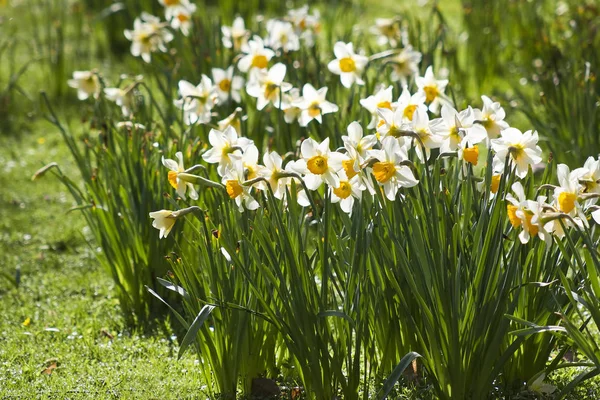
(194,328)
(175,288)
(396,373)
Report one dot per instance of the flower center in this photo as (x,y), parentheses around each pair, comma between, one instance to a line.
(343,191)
(259,61)
(314,109)
(471,154)
(270,90)
(517,151)
(511,210)
(251,172)
(384,171)
(384,104)
(533,229)
(394,131)
(409,111)
(173,178)
(566,201)
(225,85)
(347,64)
(234,189)
(348,166)
(431,92)
(183,18)
(170,3)
(317,165)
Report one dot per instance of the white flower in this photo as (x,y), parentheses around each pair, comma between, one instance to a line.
(256,55)
(272,171)
(226,84)
(349,189)
(291,112)
(122,97)
(163,221)
(234,120)
(565,200)
(405,65)
(306,24)
(319,164)
(179,14)
(387,31)
(408,103)
(356,141)
(388,171)
(86,83)
(282,36)
(268,87)
(432,89)
(197,101)
(250,163)
(148,36)
(313,105)
(175,169)
(227,146)
(589,175)
(420,125)
(233,179)
(457,128)
(491,117)
(526,214)
(521,148)
(381,99)
(235,36)
(391,123)
(348,65)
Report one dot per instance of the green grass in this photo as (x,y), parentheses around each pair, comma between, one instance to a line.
(68,297)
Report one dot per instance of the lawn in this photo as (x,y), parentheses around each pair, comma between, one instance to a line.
(64,332)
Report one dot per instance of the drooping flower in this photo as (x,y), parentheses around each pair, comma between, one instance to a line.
(124,98)
(227,147)
(175,168)
(148,36)
(87,84)
(313,105)
(521,148)
(319,164)
(197,102)
(234,120)
(256,56)
(163,221)
(381,99)
(389,171)
(268,87)
(433,89)
(348,65)
(491,117)
(227,85)
(235,36)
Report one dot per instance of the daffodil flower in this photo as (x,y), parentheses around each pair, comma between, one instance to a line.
(175,168)
(227,147)
(234,179)
(319,164)
(348,65)
(227,85)
(457,129)
(408,104)
(491,117)
(391,124)
(387,31)
(148,36)
(313,105)
(268,87)
(272,171)
(163,221)
(122,98)
(236,35)
(282,36)
(433,89)
(179,14)
(349,190)
(388,170)
(256,56)
(197,102)
(86,83)
(381,99)
(420,125)
(405,65)
(521,148)
(526,214)
(234,120)
(291,112)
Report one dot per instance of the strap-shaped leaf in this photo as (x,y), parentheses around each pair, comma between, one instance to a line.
(171,286)
(396,373)
(194,328)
